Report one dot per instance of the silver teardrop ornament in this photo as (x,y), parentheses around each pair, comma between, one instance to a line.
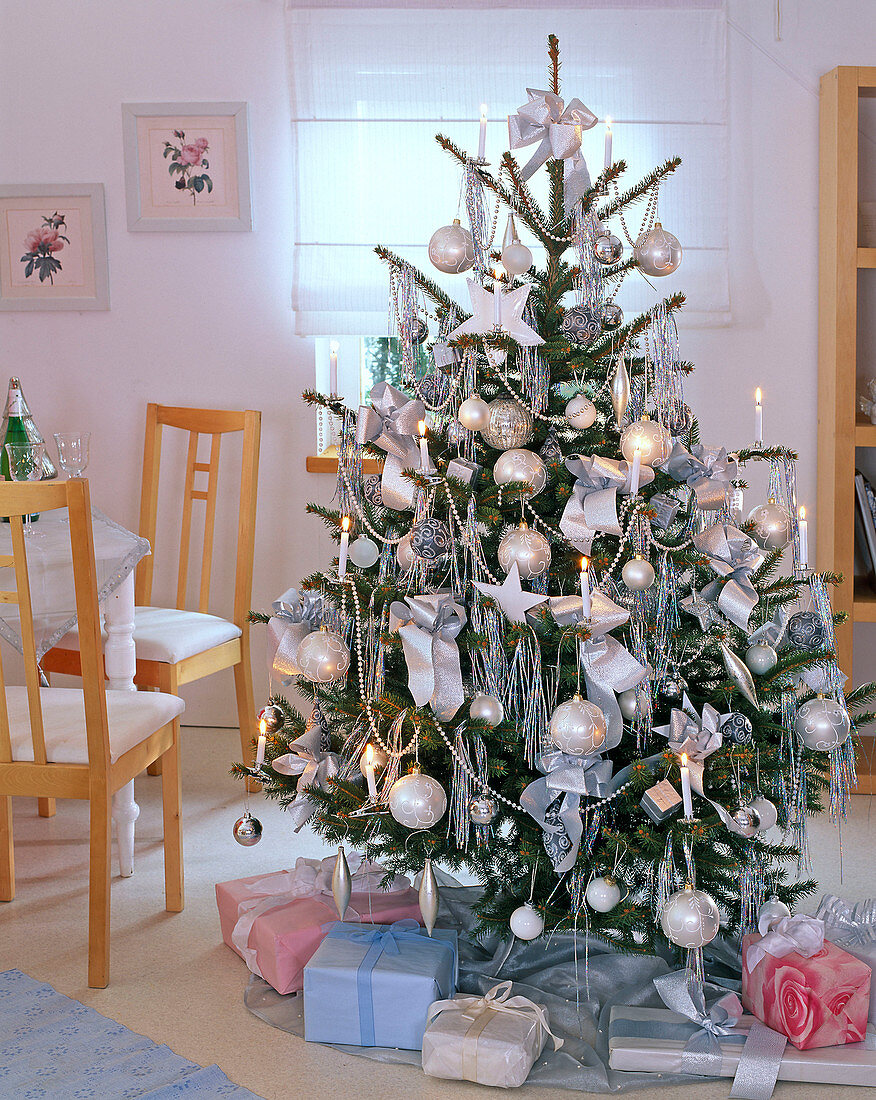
(342,883)
(739,674)
(620,390)
(429,896)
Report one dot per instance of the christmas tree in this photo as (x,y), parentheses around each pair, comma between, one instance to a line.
(556,652)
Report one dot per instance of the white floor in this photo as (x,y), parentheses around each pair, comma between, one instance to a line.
(173,979)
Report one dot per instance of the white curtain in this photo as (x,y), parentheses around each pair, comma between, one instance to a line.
(370,87)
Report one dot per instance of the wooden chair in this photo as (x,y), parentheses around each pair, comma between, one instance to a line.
(81,742)
(176,646)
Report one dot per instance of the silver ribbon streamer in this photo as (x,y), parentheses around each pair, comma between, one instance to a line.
(315,768)
(759,1063)
(732,555)
(295,615)
(702,1051)
(706,470)
(557,128)
(390,422)
(848,925)
(428,627)
(772,632)
(592,507)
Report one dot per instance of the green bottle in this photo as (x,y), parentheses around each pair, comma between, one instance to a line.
(14,428)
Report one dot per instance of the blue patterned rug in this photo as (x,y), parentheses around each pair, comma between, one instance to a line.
(52,1046)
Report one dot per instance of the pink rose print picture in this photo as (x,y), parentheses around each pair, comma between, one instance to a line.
(41,246)
(188,162)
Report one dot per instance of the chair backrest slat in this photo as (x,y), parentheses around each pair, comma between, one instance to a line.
(209,524)
(28,641)
(186,526)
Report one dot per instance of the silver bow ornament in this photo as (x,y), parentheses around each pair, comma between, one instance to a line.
(429,626)
(315,767)
(697,737)
(391,423)
(706,470)
(702,1051)
(295,615)
(848,925)
(732,555)
(592,507)
(565,777)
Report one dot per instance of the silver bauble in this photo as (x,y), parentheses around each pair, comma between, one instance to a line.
(580,412)
(529,549)
(404,554)
(421,331)
(526,922)
(430,539)
(620,390)
(482,809)
(273,718)
(371,490)
(516,258)
(509,425)
(342,883)
(451,249)
(766,811)
(602,894)
(487,708)
(822,724)
(363,552)
(806,631)
(638,574)
(761,658)
(628,701)
(428,896)
(612,316)
(474,413)
(747,821)
(678,418)
(520,466)
(607,248)
(772,526)
(690,918)
(417,801)
(770,913)
(247,830)
(657,252)
(652,439)
(577,727)
(323,656)
(430,388)
(736,729)
(581,324)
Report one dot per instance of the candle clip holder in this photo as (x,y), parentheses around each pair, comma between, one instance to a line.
(758,444)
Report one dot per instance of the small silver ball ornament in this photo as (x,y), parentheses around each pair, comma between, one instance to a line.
(747,820)
(736,729)
(528,548)
(519,466)
(363,552)
(417,801)
(526,922)
(581,325)
(612,316)
(451,249)
(474,413)
(273,718)
(580,412)
(657,252)
(516,258)
(509,425)
(628,701)
(487,708)
(652,439)
(421,331)
(822,724)
(690,918)
(772,526)
(577,727)
(806,630)
(323,656)
(607,248)
(761,658)
(482,809)
(602,894)
(766,812)
(638,574)
(247,830)
(378,759)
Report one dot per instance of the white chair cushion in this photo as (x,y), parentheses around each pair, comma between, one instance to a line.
(168,635)
(132,715)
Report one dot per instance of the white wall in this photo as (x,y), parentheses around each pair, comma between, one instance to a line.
(204,318)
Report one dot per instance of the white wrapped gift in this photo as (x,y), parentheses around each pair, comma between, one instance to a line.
(494,1039)
(852,926)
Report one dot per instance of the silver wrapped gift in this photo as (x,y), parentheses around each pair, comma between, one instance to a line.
(665,509)
(464,470)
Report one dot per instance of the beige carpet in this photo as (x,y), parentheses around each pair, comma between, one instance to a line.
(173,979)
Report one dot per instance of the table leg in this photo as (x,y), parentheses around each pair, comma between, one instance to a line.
(121,665)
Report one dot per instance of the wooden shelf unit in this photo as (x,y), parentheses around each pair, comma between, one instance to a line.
(841,428)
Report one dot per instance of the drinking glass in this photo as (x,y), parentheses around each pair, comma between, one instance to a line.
(72,452)
(26,464)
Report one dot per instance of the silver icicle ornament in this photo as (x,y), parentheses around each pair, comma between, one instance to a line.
(342,883)
(428,896)
(739,674)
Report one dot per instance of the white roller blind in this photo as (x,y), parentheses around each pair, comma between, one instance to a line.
(370,87)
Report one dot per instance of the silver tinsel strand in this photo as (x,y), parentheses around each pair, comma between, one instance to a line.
(478,217)
(459,822)
(349,488)
(524,696)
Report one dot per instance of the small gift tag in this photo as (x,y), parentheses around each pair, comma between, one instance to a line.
(664,508)
(661,801)
(464,470)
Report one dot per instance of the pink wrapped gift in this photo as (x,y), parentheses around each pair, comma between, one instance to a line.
(802,985)
(275,922)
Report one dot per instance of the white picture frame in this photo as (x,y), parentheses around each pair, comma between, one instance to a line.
(53,253)
(187,167)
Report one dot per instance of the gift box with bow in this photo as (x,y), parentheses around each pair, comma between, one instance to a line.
(494,1039)
(275,922)
(853,928)
(372,987)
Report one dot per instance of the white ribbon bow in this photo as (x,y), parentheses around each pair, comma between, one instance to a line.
(801,934)
(497,999)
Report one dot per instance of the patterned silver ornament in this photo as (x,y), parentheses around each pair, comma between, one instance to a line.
(451,249)
(430,388)
(526,922)
(651,438)
(371,490)
(822,724)
(581,324)
(690,918)
(806,631)
(607,248)
(772,526)
(736,729)
(421,331)
(273,718)
(520,466)
(363,552)
(323,656)
(482,809)
(612,316)
(602,894)
(761,658)
(487,708)
(638,574)
(430,539)
(247,830)
(509,425)
(580,412)
(657,252)
(417,801)
(679,418)
(342,883)
(474,413)
(528,548)
(551,451)
(428,896)
(577,727)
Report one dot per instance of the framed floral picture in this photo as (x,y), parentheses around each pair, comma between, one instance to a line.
(187,167)
(53,246)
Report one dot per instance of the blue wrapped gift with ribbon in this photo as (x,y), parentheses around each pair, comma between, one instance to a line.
(373,986)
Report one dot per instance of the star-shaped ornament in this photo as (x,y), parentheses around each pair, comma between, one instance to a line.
(482,322)
(701,609)
(510,596)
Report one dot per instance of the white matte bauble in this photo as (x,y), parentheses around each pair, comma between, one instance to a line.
(822,724)
(516,258)
(526,922)
(652,439)
(451,249)
(638,574)
(602,894)
(510,424)
(761,658)
(529,549)
(323,656)
(657,252)
(363,552)
(690,918)
(519,466)
(577,727)
(487,708)
(417,801)
(628,701)
(766,811)
(770,913)
(772,526)
(474,413)
(404,554)
(580,412)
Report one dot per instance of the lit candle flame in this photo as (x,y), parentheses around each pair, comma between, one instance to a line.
(422,427)
(684,759)
(757,399)
(802,512)
(263,727)
(585,564)
(369,755)
(345,523)
(608,123)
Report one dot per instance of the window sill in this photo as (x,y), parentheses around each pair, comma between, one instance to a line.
(327,463)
